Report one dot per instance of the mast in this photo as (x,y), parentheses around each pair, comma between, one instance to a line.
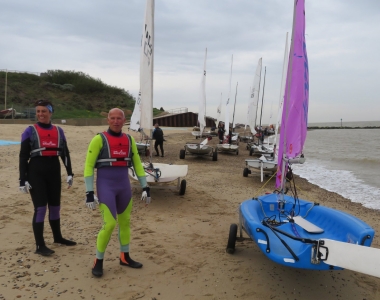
(282,93)
(227,112)
(233,116)
(262,99)
(258,97)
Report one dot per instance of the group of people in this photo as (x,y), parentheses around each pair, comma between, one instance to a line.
(111,152)
(221,131)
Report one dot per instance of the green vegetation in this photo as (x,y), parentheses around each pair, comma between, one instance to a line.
(73,94)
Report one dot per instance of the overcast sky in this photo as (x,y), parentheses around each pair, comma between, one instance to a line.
(102,39)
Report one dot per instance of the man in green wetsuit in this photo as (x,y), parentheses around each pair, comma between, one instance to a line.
(113,152)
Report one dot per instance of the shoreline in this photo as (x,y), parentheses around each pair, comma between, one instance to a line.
(180,240)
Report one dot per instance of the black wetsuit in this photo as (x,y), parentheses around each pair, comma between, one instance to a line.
(158,135)
(44,175)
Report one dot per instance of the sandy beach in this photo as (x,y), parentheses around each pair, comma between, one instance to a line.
(180,240)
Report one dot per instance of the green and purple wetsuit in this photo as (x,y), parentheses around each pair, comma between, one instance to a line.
(112,184)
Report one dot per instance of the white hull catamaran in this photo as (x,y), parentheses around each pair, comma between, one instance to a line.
(200,149)
(156,173)
(294,232)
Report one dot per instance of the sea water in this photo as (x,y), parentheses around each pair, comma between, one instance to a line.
(7,143)
(344,161)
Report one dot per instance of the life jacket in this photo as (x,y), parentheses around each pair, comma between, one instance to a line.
(46,142)
(116,151)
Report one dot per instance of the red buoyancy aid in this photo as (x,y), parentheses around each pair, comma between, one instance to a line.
(116,151)
(46,142)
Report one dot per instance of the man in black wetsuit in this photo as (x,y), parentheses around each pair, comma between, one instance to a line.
(158,135)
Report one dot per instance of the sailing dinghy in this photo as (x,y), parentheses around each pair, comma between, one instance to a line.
(156,173)
(229,146)
(295,232)
(200,149)
(267,162)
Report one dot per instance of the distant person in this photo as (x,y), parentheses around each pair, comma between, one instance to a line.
(40,174)
(158,135)
(230,137)
(221,132)
(113,152)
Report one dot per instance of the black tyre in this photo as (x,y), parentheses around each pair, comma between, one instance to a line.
(232,239)
(182,154)
(182,188)
(251,151)
(245,172)
(215,156)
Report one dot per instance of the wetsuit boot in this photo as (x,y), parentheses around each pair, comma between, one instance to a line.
(97,269)
(125,260)
(56,229)
(38,230)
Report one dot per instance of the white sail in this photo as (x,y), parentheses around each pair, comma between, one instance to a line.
(227,112)
(146,69)
(135,118)
(282,89)
(202,104)
(252,108)
(219,110)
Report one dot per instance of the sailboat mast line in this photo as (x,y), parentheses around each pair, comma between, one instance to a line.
(262,99)
(258,97)
(233,116)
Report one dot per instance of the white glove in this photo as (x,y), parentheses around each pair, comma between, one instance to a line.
(146,195)
(69,181)
(25,188)
(91,200)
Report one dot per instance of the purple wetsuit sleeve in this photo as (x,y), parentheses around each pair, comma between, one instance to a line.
(24,153)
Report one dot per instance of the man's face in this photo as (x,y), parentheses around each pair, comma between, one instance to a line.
(156,125)
(116,120)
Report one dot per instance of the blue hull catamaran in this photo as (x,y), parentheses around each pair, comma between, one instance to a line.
(291,231)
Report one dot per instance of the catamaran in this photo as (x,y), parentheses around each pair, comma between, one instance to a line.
(295,232)
(156,173)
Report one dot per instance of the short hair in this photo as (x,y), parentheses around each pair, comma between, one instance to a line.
(116,109)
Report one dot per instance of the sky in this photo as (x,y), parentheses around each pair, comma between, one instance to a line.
(102,39)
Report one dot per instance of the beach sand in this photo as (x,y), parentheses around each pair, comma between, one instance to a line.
(181,240)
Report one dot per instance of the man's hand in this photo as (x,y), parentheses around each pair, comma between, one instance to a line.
(24,187)
(146,195)
(69,181)
(91,200)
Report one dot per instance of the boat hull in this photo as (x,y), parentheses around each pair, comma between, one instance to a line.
(231,148)
(196,149)
(336,225)
(167,173)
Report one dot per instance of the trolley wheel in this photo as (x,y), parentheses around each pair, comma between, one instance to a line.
(182,188)
(237,152)
(215,156)
(182,154)
(245,172)
(232,239)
